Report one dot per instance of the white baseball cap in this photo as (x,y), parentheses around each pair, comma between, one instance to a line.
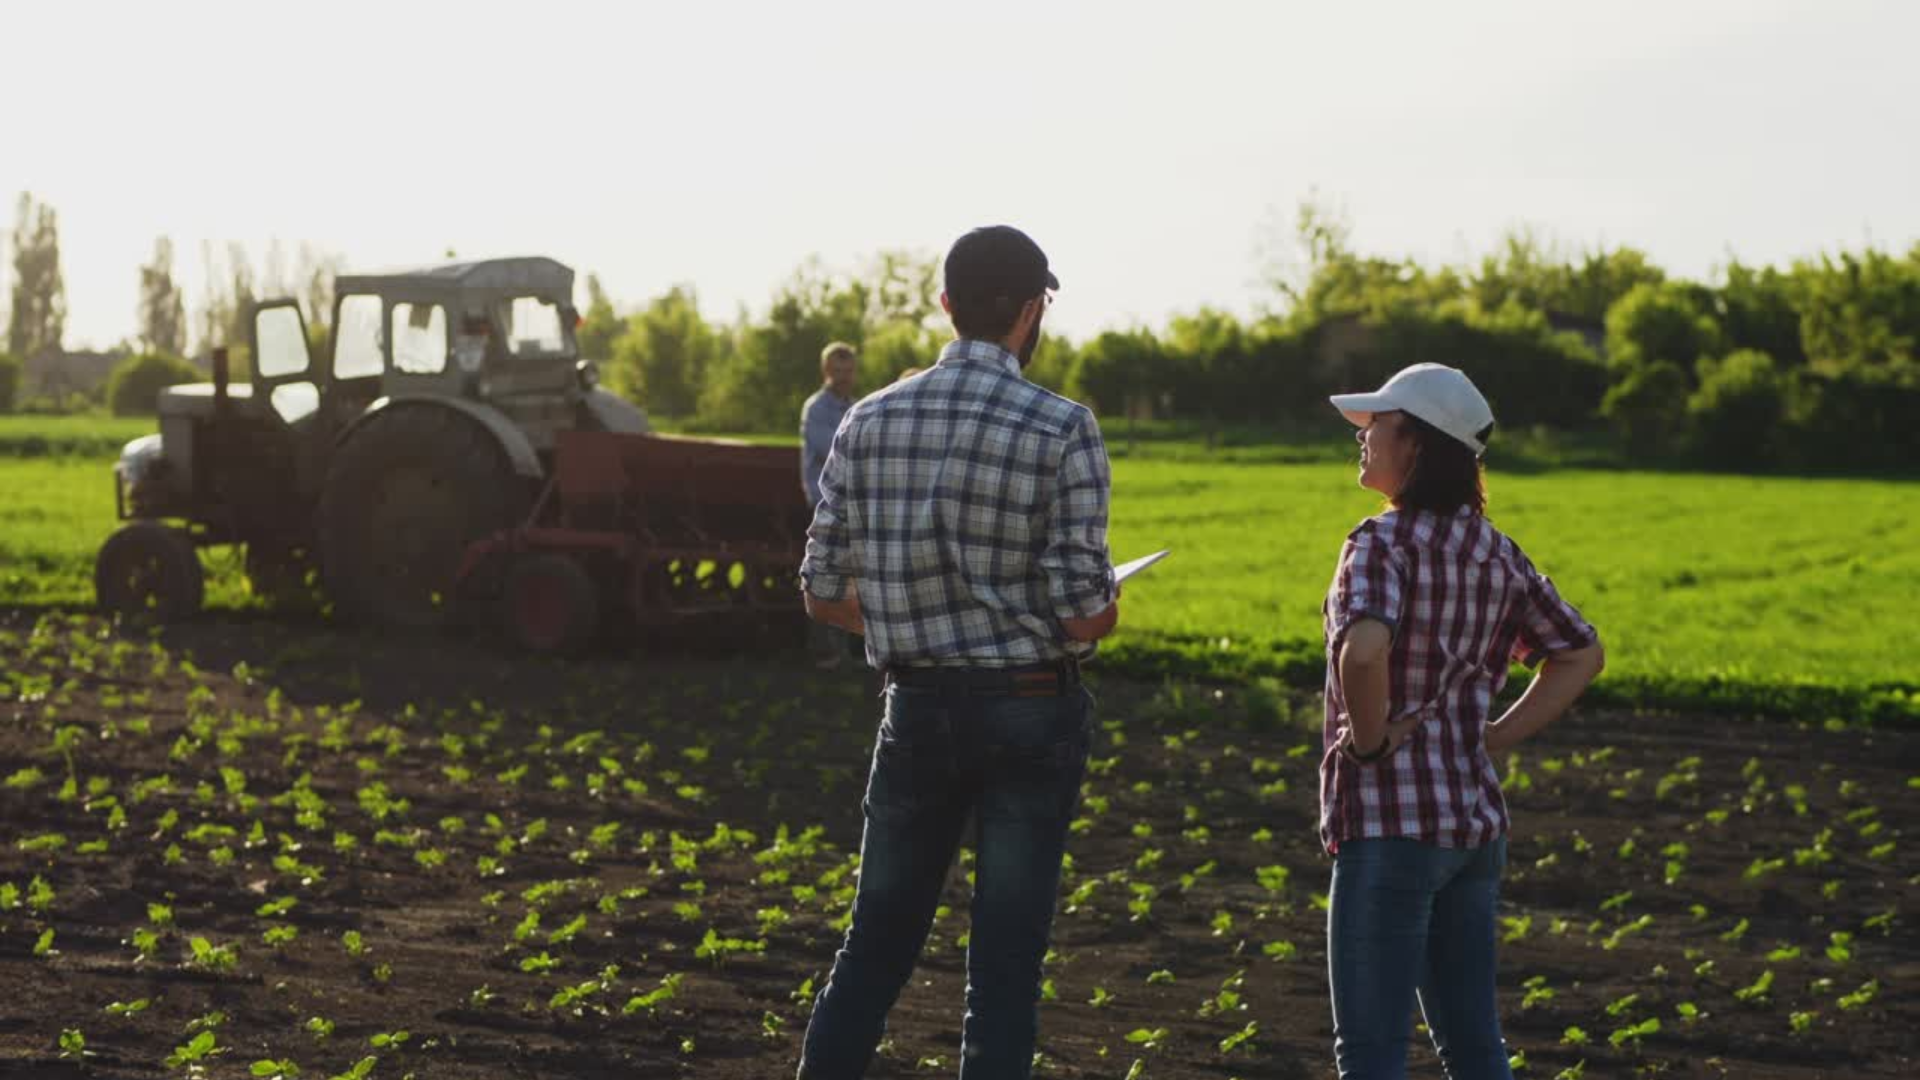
(1436,393)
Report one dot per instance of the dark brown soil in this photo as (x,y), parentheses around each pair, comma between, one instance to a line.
(130,755)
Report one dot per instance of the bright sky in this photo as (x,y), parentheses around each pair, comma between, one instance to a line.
(1147,146)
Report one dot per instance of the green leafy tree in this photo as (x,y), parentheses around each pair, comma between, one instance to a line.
(1320,235)
(242,297)
(777,362)
(665,355)
(1860,418)
(1736,414)
(1860,309)
(9,382)
(894,348)
(904,287)
(904,328)
(1122,372)
(1536,376)
(600,325)
(214,314)
(1668,322)
(313,274)
(1532,273)
(38,318)
(1053,362)
(163,314)
(1603,277)
(1757,311)
(1647,407)
(1208,366)
(134,387)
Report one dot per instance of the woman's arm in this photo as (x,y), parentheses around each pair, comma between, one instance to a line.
(1368,691)
(1562,677)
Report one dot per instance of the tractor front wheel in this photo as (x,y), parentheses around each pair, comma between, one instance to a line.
(147,570)
(549,605)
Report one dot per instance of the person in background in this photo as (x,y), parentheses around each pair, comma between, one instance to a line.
(819,418)
(1428,607)
(962,527)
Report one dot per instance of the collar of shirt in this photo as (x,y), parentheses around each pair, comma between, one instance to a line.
(972,351)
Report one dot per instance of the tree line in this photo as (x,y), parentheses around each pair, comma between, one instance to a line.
(1812,365)
(167,328)
(1815,365)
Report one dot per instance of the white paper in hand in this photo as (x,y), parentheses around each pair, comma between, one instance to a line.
(1127,570)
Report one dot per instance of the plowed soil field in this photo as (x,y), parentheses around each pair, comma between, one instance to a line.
(245,842)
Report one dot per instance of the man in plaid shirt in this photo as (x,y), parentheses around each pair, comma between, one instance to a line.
(962,527)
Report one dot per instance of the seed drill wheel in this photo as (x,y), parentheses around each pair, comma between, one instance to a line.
(148,570)
(549,605)
(403,498)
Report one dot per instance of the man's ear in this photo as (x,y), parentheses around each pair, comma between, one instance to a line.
(946,305)
(1023,322)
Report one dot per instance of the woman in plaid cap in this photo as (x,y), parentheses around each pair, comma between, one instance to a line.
(1428,607)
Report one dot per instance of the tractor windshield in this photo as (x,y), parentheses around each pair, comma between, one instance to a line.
(533,327)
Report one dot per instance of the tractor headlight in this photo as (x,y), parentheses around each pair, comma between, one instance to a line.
(142,474)
(140,461)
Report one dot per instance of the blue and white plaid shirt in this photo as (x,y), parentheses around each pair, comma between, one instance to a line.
(970,506)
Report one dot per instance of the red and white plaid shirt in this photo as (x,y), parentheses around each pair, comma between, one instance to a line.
(1463,602)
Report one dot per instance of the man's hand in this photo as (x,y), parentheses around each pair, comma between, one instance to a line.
(844,614)
(1094,627)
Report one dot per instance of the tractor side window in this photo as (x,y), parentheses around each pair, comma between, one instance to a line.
(420,338)
(283,349)
(356,341)
(533,327)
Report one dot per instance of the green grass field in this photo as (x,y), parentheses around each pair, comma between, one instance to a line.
(1683,574)
(1695,575)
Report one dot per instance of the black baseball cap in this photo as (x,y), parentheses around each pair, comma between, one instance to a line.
(997,261)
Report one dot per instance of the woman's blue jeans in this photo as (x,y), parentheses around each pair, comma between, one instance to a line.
(1013,763)
(1408,918)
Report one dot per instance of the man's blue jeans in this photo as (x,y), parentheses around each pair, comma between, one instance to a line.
(1407,917)
(1014,762)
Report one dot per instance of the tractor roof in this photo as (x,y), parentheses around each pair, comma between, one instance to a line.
(532,274)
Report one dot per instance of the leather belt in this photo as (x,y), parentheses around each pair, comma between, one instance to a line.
(1029,680)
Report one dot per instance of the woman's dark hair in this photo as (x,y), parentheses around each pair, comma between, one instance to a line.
(1446,473)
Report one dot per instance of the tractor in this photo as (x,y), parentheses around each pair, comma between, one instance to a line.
(368,472)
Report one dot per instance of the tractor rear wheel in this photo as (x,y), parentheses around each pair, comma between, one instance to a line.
(404,496)
(549,605)
(147,570)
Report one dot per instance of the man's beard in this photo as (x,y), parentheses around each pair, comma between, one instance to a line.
(1032,343)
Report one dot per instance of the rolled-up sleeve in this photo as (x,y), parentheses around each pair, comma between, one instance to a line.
(1076,563)
(1547,623)
(1370,583)
(831,560)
